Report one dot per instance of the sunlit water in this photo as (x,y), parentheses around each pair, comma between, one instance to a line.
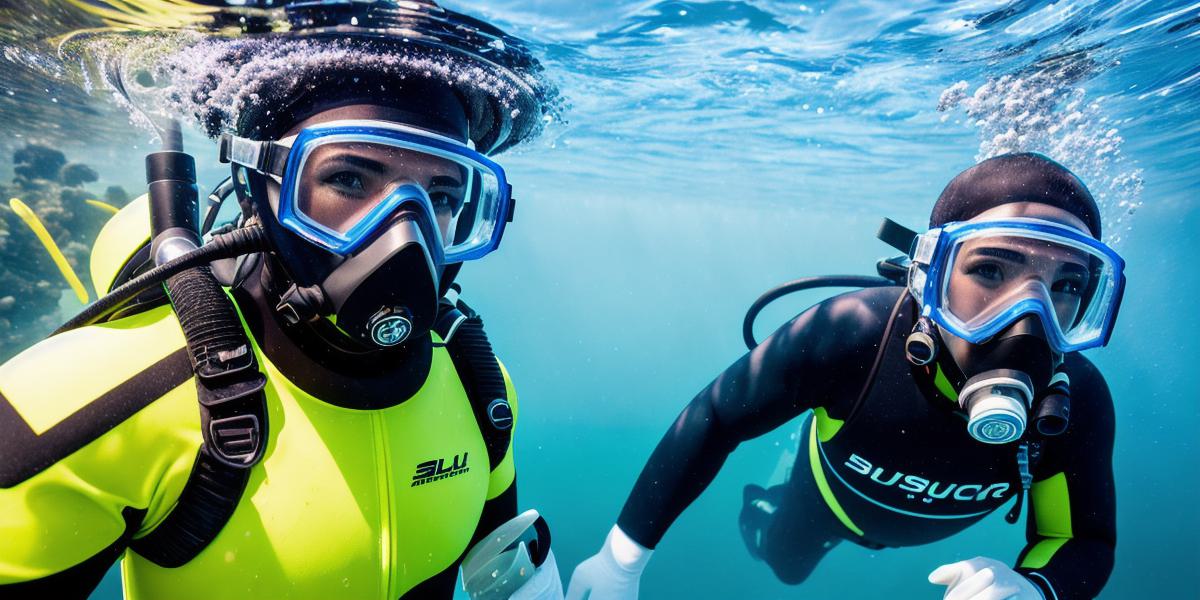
(709,150)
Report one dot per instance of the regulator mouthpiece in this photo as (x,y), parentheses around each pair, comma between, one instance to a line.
(996,402)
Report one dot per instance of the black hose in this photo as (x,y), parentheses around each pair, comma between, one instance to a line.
(215,199)
(229,245)
(807,283)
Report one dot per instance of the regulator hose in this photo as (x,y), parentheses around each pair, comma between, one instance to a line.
(238,242)
(807,283)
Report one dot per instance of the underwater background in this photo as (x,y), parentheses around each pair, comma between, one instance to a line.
(705,152)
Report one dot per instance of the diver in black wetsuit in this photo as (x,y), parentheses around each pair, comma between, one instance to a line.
(920,401)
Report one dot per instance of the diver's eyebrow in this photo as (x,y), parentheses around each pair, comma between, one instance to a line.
(1001,253)
(445,181)
(361,162)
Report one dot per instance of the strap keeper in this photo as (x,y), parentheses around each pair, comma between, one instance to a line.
(225,365)
(232,431)
(264,157)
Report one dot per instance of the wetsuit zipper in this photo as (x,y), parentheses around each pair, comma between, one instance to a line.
(386,493)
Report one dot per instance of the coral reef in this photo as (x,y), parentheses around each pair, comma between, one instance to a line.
(31,287)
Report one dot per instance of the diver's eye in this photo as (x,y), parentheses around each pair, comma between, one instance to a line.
(987,271)
(1073,287)
(444,202)
(347,181)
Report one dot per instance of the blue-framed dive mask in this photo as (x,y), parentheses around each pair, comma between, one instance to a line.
(342,181)
(976,278)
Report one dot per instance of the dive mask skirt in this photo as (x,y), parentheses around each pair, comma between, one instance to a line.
(342,181)
(976,278)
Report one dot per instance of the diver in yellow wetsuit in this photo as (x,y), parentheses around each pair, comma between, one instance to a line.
(331,422)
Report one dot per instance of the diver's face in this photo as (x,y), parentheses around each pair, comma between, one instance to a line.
(990,271)
(341,182)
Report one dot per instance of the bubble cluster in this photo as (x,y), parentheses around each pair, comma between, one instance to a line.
(215,80)
(1045,109)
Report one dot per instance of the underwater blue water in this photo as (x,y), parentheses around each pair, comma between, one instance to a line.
(711,150)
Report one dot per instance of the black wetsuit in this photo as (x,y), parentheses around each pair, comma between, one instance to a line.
(893,452)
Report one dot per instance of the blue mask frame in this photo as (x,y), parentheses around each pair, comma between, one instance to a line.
(285,160)
(930,267)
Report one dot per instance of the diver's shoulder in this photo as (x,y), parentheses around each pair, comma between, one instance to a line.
(878,299)
(838,328)
(860,313)
(1085,376)
(70,389)
(91,356)
(1092,409)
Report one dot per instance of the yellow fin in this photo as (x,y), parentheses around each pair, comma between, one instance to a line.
(35,224)
(104,206)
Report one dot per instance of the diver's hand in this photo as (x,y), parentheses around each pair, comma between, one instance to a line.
(613,573)
(983,578)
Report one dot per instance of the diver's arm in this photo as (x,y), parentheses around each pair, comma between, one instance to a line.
(64,526)
(496,512)
(59,553)
(501,504)
(497,521)
(1072,524)
(95,446)
(822,354)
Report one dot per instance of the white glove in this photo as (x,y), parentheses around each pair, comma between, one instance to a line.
(984,579)
(613,573)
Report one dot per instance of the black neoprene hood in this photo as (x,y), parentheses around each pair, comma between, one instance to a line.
(1009,178)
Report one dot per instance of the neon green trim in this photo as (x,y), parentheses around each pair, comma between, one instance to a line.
(1052,506)
(1052,512)
(814,461)
(943,385)
(827,426)
(1041,553)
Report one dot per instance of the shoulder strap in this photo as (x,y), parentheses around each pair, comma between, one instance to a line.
(461,330)
(233,420)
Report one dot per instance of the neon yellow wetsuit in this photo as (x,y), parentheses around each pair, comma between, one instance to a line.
(99,431)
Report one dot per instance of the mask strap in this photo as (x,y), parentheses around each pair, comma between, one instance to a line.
(897,236)
(269,158)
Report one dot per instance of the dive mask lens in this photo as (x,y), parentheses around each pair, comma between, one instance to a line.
(983,276)
(343,184)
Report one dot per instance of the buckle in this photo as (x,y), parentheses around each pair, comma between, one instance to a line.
(236,439)
(234,417)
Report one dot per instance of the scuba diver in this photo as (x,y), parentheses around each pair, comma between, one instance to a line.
(309,411)
(948,387)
